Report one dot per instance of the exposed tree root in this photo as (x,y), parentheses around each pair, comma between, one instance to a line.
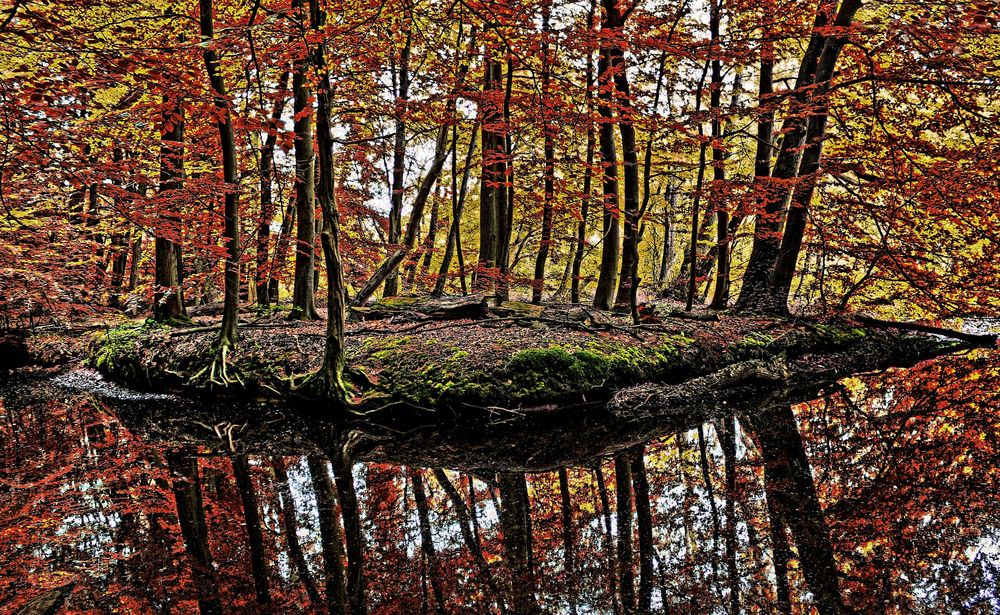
(216,373)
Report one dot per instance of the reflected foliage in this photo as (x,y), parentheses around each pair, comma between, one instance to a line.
(878,496)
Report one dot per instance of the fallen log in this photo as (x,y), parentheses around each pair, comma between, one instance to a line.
(978,340)
(419,308)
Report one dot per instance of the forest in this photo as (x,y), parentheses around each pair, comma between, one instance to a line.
(692,282)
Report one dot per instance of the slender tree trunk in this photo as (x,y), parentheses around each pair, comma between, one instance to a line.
(727,433)
(255,534)
(330,537)
(458,207)
(290,525)
(610,247)
(191,517)
(266,193)
(493,228)
(441,149)
(809,170)
(549,131)
(468,526)
(168,296)
(393,261)
(332,371)
(614,23)
(667,257)
(781,555)
(755,293)
(515,521)
(612,559)
(134,260)
(644,525)
(353,531)
(304,290)
(427,540)
(623,493)
(399,155)
(789,481)
(706,476)
(588,169)
(692,259)
(227,142)
(720,297)
(281,249)
(507,221)
(569,541)
(431,237)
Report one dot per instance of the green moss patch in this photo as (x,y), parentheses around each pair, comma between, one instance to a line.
(417,372)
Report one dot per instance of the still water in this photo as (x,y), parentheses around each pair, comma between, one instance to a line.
(880,496)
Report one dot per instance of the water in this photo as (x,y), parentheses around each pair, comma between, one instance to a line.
(879,496)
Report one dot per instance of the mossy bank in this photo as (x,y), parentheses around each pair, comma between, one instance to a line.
(492,363)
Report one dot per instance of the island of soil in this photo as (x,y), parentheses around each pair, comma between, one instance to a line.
(465,357)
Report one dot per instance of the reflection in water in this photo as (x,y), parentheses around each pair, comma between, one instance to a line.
(879,496)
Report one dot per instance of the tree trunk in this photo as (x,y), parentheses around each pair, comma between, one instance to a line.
(467,525)
(255,534)
(615,22)
(330,538)
(720,297)
(706,476)
(331,374)
(186,484)
(569,541)
(457,208)
(602,491)
(549,131)
(493,228)
(263,275)
(227,142)
(427,540)
(399,157)
(515,522)
(623,511)
(304,290)
(588,169)
(781,555)
(281,250)
(755,293)
(809,169)
(441,149)
(290,525)
(789,482)
(431,237)
(610,246)
(353,531)
(644,525)
(168,296)
(727,434)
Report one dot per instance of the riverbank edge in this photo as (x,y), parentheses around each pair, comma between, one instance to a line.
(415,369)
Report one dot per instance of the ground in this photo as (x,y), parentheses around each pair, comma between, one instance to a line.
(514,357)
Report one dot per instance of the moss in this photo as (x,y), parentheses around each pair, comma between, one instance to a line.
(412,375)
(414,371)
(816,337)
(752,346)
(840,335)
(115,353)
(398,302)
(261,311)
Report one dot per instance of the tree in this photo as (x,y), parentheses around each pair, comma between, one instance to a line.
(227,142)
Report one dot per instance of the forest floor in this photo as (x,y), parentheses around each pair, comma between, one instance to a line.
(463,354)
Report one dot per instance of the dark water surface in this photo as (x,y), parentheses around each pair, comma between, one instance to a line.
(881,496)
